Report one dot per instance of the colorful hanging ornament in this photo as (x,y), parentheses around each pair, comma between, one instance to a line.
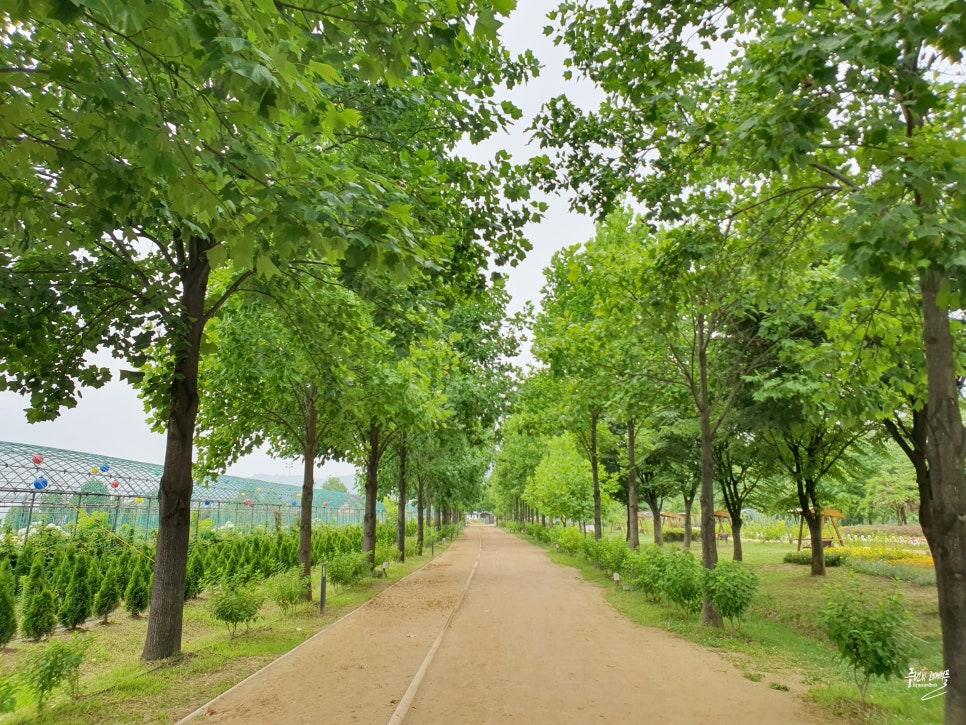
(115,484)
(104,468)
(207,503)
(40,483)
(95,470)
(247,502)
(139,500)
(37,459)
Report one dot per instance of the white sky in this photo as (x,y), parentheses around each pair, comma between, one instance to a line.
(110,421)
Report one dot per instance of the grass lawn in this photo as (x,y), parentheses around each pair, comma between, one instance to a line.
(782,640)
(116,687)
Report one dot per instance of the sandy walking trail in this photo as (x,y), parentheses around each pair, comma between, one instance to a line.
(530,642)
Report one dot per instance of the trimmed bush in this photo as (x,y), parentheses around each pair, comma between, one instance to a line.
(108,596)
(611,554)
(195,575)
(731,587)
(76,607)
(832,557)
(39,615)
(137,596)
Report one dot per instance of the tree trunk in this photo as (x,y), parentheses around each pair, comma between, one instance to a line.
(807,501)
(372,491)
(945,507)
(308,488)
(595,472)
(174,496)
(736,537)
(688,528)
(419,514)
(632,530)
(654,504)
(709,548)
(401,518)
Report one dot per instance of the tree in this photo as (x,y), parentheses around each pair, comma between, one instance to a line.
(76,605)
(562,485)
(861,101)
(39,612)
(137,594)
(167,142)
(108,597)
(334,484)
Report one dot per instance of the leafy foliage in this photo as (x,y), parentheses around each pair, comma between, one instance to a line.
(872,637)
(731,587)
(8,614)
(234,604)
(681,582)
(44,670)
(347,569)
(287,589)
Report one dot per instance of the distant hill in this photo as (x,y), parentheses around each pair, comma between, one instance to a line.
(349,480)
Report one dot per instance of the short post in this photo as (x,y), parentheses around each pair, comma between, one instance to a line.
(432,548)
(617,580)
(385,570)
(322,592)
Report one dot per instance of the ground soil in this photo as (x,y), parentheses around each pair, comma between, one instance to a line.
(525,641)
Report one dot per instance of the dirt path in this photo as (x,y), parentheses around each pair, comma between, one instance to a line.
(529,642)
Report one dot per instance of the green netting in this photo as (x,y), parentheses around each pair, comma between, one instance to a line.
(48,486)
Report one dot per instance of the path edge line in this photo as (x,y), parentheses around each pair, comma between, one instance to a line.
(402,709)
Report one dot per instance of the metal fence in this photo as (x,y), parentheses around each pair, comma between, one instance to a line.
(42,486)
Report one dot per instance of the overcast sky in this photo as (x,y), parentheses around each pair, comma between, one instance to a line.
(110,421)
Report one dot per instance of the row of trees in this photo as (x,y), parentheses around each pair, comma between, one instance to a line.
(261,208)
(796,273)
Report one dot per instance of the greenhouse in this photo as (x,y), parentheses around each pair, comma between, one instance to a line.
(42,486)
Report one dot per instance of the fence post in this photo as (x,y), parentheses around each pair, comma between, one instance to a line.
(117,515)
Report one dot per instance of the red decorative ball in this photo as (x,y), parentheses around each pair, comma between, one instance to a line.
(37,459)
(114,484)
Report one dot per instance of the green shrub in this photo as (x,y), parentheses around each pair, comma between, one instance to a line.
(386,552)
(347,569)
(45,669)
(288,589)
(76,606)
(108,595)
(871,636)
(832,557)
(194,575)
(39,617)
(571,540)
(611,554)
(234,605)
(8,600)
(676,536)
(731,587)
(682,580)
(137,596)
(644,569)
